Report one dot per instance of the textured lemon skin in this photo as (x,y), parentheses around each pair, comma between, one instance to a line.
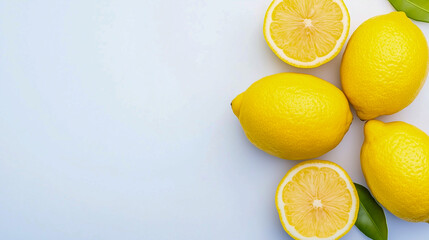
(395,163)
(309,162)
(293,116)
(384,65)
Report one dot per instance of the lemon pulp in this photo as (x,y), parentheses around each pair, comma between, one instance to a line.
(317,200)
(306,33)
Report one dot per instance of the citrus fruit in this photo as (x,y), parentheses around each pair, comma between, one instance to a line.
(293,116)
(317,200)
(395,163)
(384,65)
(306,33)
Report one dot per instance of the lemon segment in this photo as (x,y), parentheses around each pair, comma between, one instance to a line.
(306,33)
(317,200)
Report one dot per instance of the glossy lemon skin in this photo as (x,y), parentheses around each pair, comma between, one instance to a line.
(293,116)
(395,162)
(384,65)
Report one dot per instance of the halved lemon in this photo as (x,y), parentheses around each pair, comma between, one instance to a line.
(306,33)
(317,200)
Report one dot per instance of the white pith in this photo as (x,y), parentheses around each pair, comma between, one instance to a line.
(317,203)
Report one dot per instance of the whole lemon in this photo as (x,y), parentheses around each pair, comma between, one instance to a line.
(293,116)
(395,162)
(384,65)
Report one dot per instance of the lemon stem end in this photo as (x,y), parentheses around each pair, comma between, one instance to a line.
(236,104)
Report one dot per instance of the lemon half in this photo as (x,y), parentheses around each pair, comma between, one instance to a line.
(306,33)
(317,200)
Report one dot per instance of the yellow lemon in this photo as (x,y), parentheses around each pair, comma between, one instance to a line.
(395,162)
(384,65)
(293,116)
(306,33)
(317,200)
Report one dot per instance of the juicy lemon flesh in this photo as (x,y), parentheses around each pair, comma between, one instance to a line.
(306,30)
(317,202)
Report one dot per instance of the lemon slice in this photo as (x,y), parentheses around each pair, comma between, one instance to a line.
(317,200)
(306,33)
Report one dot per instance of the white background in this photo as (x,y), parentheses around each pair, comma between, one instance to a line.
(115,121)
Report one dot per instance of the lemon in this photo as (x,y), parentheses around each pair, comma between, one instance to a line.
(317,200)
(384,65)
(395,162)
(306,33)
(293,116)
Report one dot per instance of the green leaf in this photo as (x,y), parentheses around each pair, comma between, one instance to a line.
(371,219)
(415,9)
